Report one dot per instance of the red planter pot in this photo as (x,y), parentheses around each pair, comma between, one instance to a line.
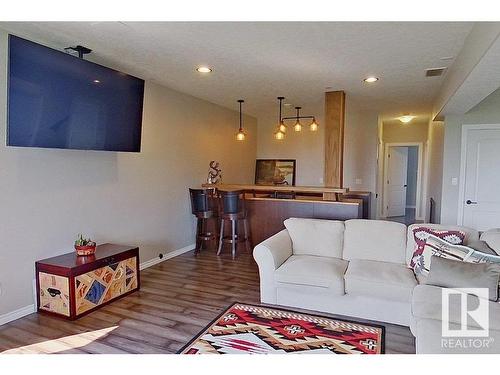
(85,250)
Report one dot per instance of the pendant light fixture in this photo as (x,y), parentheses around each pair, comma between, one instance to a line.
(279,135)
(282,127)
(298,126)
(280,132)
(314,125)
(240,136)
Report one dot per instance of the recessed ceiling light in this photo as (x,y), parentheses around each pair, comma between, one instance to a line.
(203,69)
(97,81)
(406,118)
(370,79)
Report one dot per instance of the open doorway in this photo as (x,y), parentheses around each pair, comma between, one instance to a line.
(402,182)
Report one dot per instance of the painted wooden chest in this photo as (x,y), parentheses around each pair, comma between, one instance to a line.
(70,286)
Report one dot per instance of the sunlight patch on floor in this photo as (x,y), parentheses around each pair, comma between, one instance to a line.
(63,343)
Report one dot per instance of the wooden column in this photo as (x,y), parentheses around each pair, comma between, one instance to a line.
(334,138)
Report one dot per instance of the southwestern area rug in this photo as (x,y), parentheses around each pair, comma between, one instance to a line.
(249,329)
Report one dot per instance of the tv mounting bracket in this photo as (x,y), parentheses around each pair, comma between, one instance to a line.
(81,50)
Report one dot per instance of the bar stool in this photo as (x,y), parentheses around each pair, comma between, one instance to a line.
(204,207)
(232,208)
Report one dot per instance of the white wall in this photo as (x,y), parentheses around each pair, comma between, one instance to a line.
(47,196)
(435,176)
(486,112)
(360,149)
(414,131)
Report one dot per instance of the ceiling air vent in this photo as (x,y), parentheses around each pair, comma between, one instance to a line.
(434,72)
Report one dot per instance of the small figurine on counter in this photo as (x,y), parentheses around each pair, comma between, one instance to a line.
(214,173)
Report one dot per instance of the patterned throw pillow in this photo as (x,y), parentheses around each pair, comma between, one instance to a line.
(438,247)
(420,234)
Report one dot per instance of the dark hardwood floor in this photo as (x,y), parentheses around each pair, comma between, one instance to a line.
(178,298)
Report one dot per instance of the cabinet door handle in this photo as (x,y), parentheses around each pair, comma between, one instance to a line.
(468,201)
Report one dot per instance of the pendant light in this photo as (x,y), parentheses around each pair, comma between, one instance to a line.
(280,132)
(240,136)
(281,128)
(314,125)
(298,126)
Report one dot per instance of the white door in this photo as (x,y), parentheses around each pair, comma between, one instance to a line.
(397,165)
(481,203)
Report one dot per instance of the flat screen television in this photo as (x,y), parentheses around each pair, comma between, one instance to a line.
(57,100)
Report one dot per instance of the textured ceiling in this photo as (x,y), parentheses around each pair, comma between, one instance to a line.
(259,61)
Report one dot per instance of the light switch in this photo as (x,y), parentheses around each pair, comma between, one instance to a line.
(321,180)
(454,181)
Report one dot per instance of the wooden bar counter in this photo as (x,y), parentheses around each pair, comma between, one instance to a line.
(269,206)
(328,193)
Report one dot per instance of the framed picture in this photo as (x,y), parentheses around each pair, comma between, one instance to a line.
(275,172)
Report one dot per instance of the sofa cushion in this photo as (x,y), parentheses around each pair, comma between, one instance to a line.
(492,239)
(438,247)
(470,235)
(378,240)
(313,271)
(316,237)
(427,304)
(379,279)
(422,234)
(449,273)
(482,246)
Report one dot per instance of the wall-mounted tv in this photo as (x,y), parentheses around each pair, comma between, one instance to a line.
(57,100)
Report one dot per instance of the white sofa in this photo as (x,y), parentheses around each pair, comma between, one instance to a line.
(358,268)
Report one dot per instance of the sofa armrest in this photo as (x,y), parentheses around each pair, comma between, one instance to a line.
(274,251)
(269,255)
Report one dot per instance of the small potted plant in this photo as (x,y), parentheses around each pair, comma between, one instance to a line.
(84,246)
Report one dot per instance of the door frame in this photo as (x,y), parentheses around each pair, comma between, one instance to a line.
(418,200)
(463,156)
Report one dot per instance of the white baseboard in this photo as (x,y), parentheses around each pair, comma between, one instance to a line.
(26,310)
(16,314)
(169,255)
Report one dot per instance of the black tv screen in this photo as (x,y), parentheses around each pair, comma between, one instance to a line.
(57,100)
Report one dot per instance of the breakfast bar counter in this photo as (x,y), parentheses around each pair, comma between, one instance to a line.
(328,193)
(268,206)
